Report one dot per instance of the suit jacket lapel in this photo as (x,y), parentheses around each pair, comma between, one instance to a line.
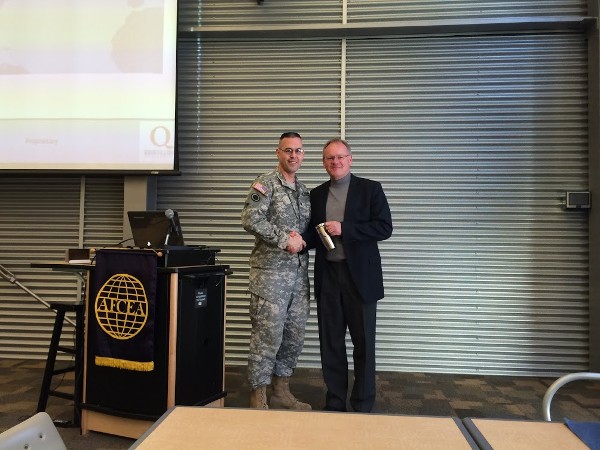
(322,201)
(351,189)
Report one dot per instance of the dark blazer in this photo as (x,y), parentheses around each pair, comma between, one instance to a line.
(367,220)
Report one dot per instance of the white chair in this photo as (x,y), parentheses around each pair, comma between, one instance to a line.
(560,383)
(37,432)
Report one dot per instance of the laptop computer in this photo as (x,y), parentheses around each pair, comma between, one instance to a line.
(155,229)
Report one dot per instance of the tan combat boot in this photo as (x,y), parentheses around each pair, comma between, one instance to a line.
(258,398)
(282,397)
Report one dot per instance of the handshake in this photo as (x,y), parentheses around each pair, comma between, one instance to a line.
(295,243)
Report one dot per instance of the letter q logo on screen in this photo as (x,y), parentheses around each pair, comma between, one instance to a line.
(157,139)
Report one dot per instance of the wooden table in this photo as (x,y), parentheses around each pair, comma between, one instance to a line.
(232,428)
(501,434)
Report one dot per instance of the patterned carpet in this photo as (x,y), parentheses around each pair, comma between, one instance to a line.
(447,395)
(398,393)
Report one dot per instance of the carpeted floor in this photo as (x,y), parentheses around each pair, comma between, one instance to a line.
(398,393)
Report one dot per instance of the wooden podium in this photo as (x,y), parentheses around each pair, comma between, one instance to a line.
(189,323)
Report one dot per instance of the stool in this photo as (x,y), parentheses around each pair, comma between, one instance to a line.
(77,367)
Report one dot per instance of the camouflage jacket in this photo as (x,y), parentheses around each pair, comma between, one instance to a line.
(273,208)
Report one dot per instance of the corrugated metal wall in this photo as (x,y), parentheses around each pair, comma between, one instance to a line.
(247,12)
(293,12)
(40,217)
(398,10)
(475,139)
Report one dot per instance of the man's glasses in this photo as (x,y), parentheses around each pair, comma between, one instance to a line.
(289,151)
(335,158)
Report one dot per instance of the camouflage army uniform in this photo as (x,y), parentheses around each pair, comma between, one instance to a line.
(278,280)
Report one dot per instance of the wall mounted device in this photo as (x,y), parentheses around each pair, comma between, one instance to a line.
(578,199)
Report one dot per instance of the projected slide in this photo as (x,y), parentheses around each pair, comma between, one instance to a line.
(87,84)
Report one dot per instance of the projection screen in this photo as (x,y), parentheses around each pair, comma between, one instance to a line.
(88,85)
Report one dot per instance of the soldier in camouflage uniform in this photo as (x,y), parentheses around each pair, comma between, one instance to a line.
(276,211)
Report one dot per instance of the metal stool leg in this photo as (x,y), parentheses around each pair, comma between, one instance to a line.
(51,360)
(78,389)
(77,367)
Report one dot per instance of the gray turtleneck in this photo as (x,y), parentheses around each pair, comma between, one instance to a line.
(336,205)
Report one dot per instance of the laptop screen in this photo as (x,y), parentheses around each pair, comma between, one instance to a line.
(155,229)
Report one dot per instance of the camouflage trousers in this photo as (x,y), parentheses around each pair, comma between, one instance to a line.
(277,336)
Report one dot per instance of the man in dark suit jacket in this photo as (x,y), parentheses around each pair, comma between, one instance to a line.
(348,279)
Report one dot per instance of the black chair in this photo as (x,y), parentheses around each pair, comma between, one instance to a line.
(77,365)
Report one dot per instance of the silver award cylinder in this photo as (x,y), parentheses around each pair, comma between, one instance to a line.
(325,238)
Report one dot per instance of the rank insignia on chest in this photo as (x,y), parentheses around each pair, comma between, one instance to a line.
(260,188)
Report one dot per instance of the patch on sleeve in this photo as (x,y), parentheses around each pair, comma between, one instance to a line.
(255,197)
(260,188)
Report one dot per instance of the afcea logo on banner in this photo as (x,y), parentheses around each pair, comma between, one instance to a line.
(121,306)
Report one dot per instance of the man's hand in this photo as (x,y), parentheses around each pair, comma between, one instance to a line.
(295,242)
(333,228)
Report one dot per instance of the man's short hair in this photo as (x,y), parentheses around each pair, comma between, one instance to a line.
(341,141)
(290,134)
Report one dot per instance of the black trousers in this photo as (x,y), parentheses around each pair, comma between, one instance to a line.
(340,307)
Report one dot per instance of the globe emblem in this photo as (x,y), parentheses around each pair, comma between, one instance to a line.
(121,306)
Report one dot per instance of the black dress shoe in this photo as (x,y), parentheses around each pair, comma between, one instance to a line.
(332,408)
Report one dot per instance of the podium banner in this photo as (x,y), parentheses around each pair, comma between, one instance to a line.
(124,295)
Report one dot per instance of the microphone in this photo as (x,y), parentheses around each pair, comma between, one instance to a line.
(170,214)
